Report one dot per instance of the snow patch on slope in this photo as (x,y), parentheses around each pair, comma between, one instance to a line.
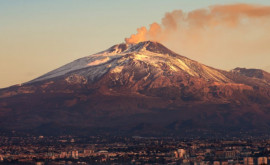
(184,67)
(98,62)
(94,66)
(82,63)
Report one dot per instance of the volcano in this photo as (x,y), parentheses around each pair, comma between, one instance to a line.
(139,89)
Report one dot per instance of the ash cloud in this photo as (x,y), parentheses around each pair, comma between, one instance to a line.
(221,30)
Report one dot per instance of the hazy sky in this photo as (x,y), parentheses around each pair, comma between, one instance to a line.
(38,36)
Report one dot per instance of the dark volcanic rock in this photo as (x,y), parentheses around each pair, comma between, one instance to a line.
(253,73)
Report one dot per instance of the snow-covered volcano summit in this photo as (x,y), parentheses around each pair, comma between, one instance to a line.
(138,89)
(119,57)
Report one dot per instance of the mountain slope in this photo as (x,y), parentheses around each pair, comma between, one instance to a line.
(137,89)
(253,73)
(151,53)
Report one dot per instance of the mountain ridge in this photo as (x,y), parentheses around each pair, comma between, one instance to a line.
(114,53)
(143,88)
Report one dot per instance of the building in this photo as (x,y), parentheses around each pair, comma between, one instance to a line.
(248,161)
(63,155)
(230,154)
(262,160)
(88,152)
(75,154)
(216,163)
(1,158)
(181,153)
